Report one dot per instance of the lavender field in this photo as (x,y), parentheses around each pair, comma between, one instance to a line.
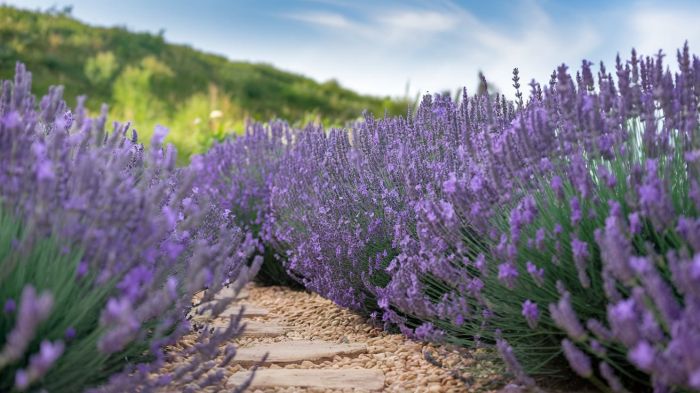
(556,226)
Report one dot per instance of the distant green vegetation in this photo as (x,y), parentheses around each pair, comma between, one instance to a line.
(201,97)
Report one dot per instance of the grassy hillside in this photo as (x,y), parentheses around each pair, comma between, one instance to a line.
(200,96)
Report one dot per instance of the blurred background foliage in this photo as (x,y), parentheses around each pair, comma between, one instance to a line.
(201,97)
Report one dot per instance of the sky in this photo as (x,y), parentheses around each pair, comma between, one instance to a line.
(391,48)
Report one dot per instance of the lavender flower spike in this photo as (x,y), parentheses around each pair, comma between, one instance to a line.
(531,313)
(564,316)
(578,360)
(33,310)
(39,364)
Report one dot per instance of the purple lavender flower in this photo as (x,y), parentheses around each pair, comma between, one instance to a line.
(615,248)
(579,361)
(449,186)
(613,380)
(607,176)
(599,330)
(653,198)
(576,213)
(557,185)
(39,364)
(33,310)
(623,318)
(513,364)
(598,348)
(427,331)
(540,238)
(635,223)
(531,313)
(580,252)
(82,269)
(10,306)
(564,316)
(70,333)
(480,263)
(536,273)
(507,274)
(643,355)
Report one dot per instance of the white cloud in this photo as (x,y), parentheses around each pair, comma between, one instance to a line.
(397,26)
(327,19)
(412,20)
(534,43)
(664,28)
(445,45)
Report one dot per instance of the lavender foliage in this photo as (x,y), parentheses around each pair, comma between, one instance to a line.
(129,235)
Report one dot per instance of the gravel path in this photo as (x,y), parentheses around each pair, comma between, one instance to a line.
(403,362)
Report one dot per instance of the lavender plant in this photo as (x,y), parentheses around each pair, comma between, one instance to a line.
(591,258)
(345,206)
(104,244)
(561,227)
(309,221)
(427,282)
(237,175)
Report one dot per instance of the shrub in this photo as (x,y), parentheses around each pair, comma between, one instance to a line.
(237,175)
(591,255)
(561,227)
(344,205)
(43,274)
(304,224)
(106,245)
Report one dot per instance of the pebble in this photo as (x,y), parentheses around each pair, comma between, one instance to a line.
(434,388)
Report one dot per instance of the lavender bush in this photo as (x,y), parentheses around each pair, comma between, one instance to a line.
(105,245)
(427,282)
(591,257)
(559,227)
(345,204)
(305,224)
(237,175)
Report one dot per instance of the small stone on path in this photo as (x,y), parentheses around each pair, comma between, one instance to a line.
(296,351)
(248,311)
(355,378)
(257,329)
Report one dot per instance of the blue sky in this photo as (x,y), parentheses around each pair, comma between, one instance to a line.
(379,47)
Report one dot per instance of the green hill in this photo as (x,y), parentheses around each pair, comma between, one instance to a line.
(200,96)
